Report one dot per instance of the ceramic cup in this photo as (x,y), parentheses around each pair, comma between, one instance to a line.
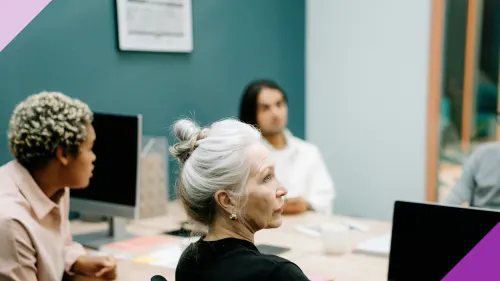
(336,238)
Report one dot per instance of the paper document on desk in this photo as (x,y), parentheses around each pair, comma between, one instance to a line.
(141,245)
(165,257)
(314,230)
(380,245)
(311,230)
(120,256)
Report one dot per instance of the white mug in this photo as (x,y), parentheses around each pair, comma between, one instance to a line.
(336,238)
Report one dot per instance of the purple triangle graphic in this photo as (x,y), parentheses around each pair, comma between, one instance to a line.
(15,15)
(481,263)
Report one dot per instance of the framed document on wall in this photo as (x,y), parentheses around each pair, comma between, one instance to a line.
(155,25)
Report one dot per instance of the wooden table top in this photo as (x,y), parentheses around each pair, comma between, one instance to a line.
(306,251)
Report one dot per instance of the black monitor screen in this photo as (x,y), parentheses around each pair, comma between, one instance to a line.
(429,240)
(115,169)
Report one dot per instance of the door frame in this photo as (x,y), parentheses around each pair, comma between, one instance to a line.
(434,97)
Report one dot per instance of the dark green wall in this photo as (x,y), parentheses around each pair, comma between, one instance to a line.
(71,47)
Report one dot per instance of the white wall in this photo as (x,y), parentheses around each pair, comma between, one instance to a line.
(366,94)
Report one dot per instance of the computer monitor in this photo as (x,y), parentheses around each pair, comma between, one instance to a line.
(428,240)
(114,187)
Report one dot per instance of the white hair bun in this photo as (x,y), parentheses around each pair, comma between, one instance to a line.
(188,133)
(185,130)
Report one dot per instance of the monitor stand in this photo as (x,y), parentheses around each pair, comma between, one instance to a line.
(116,232)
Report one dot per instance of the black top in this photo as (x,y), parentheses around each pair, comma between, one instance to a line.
(233,259)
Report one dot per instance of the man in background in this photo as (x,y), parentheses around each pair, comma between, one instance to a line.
(479,184)
(299,165)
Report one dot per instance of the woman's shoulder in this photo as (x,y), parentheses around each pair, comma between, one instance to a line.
(239,263)
(287,270)
(273,268)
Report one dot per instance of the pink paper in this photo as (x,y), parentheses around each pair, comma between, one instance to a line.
(319,278)
(142,243)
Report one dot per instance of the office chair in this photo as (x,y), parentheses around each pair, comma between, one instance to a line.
(158,278)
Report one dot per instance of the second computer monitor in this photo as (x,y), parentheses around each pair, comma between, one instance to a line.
(114,188)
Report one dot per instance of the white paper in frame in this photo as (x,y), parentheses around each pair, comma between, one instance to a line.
(155,25)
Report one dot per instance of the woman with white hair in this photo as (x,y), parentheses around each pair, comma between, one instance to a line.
(227,183)
(51,137)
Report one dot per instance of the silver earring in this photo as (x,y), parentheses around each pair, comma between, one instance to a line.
(232,217)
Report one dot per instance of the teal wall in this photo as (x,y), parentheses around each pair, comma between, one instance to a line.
(71,47)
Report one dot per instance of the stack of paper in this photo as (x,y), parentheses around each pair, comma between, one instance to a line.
(141,245)
(380,245)
(160,250)
(165,257)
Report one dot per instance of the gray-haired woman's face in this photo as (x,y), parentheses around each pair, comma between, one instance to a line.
(264,203)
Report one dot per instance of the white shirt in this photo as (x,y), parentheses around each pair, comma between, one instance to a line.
(301,169)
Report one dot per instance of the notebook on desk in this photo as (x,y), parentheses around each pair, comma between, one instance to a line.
(380,246)
(140,245)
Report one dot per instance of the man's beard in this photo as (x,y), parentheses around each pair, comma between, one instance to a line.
(273,132)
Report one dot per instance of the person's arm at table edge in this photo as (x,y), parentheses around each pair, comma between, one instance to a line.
(462,191)
(72,250)
(321,191)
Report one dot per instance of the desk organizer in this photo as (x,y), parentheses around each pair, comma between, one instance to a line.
(153,176)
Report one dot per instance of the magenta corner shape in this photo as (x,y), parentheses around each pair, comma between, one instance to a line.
(15,15)
(480,263)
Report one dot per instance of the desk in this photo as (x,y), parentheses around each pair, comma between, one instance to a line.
(305,251)
(129,271)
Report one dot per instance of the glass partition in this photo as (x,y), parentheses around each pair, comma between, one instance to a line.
(469,100)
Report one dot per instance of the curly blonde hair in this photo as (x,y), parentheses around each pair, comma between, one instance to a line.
(42,123)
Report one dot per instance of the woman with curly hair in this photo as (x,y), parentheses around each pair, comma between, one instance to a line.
(51,137)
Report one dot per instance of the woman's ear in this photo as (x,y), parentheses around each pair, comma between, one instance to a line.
(225,201)
(62,156)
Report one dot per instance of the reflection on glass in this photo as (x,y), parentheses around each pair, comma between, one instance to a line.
(469,102)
